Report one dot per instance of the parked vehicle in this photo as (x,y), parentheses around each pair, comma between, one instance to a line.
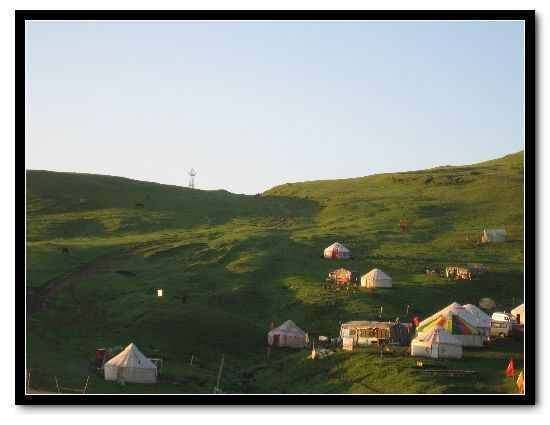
(503,317)
(501,328)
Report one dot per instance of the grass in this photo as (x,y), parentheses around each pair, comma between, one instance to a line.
(230,264)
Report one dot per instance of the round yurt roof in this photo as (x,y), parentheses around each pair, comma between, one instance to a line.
(131,357)
(337,245)
(288,327)
(377,274)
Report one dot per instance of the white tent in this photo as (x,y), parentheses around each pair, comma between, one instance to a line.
(493,235)
(437,344)
(287,335)
(376,278)
(519,311)
(458,321)
(337,250)
(484,320)
(131,365)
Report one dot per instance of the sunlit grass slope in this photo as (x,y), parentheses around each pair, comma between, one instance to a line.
(230,264)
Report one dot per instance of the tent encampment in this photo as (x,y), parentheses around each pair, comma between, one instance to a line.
(493,235)
(458,321)
(376,278)
(131,365)
(337,251)
(287,335)
(484,325)
(519,314)
(437,344)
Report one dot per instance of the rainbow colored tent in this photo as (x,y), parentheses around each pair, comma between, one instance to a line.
(456,320)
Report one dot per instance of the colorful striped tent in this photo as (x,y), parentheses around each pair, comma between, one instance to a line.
(456,320)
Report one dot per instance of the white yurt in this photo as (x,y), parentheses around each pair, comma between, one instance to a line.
(287,335)
(131,365)
(484,319)
(376,278)
(458,321)
(437,344)
(338,251)
(519,313)
(493,235)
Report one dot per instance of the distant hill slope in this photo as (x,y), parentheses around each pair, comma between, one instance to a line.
(99,246)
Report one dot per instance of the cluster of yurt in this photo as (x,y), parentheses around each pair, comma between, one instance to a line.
(376,278)
(337,251)
(130,365)
(465,325)
(287,335)
(493,235)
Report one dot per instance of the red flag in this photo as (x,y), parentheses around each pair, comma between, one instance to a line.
(510,370)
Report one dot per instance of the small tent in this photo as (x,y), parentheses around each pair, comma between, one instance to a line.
(484,325)
(519,313)
(287,335)
(131,365)
(458,321)
(437,344)
(337,251)
(376,278)
(493,235)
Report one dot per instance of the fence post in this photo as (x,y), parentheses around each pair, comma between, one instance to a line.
(86,385)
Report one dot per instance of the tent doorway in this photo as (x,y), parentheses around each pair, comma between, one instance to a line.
(276,340)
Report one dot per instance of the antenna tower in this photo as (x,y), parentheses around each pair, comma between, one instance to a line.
(192,173)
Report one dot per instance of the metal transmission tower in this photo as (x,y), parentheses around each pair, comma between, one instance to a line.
(192,173)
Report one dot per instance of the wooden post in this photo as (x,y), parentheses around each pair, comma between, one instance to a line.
(86,385)
(57,384)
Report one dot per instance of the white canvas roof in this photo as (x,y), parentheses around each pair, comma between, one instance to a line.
(338,246)
(288,328)
(438,335)
(519,309)
(131,357)
(483,317)
(377,274)
(460,311)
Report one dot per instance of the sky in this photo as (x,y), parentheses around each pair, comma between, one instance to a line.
(251,105)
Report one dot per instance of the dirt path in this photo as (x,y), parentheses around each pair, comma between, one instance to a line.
(37,298)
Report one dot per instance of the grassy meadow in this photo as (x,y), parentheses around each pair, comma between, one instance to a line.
(99,246)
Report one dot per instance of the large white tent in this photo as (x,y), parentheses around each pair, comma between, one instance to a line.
(519,313)
(437,344)
(337,250)
(484,320)
(287,335)
(131,365)
(458,321)
(376,278)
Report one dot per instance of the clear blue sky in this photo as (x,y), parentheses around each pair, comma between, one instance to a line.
(251,105)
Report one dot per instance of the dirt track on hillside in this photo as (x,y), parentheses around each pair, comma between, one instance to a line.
(37,298)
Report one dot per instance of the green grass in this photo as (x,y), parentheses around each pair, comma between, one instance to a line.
(242,261)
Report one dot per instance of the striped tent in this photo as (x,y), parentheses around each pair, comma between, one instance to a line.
(456,320)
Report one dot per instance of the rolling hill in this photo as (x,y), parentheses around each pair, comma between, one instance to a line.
(99,246)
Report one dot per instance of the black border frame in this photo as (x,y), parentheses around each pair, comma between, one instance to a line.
(528,16)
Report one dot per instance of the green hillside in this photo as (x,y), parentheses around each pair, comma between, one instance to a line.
(99,246)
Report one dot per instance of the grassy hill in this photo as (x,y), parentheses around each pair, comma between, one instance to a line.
(99,246)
